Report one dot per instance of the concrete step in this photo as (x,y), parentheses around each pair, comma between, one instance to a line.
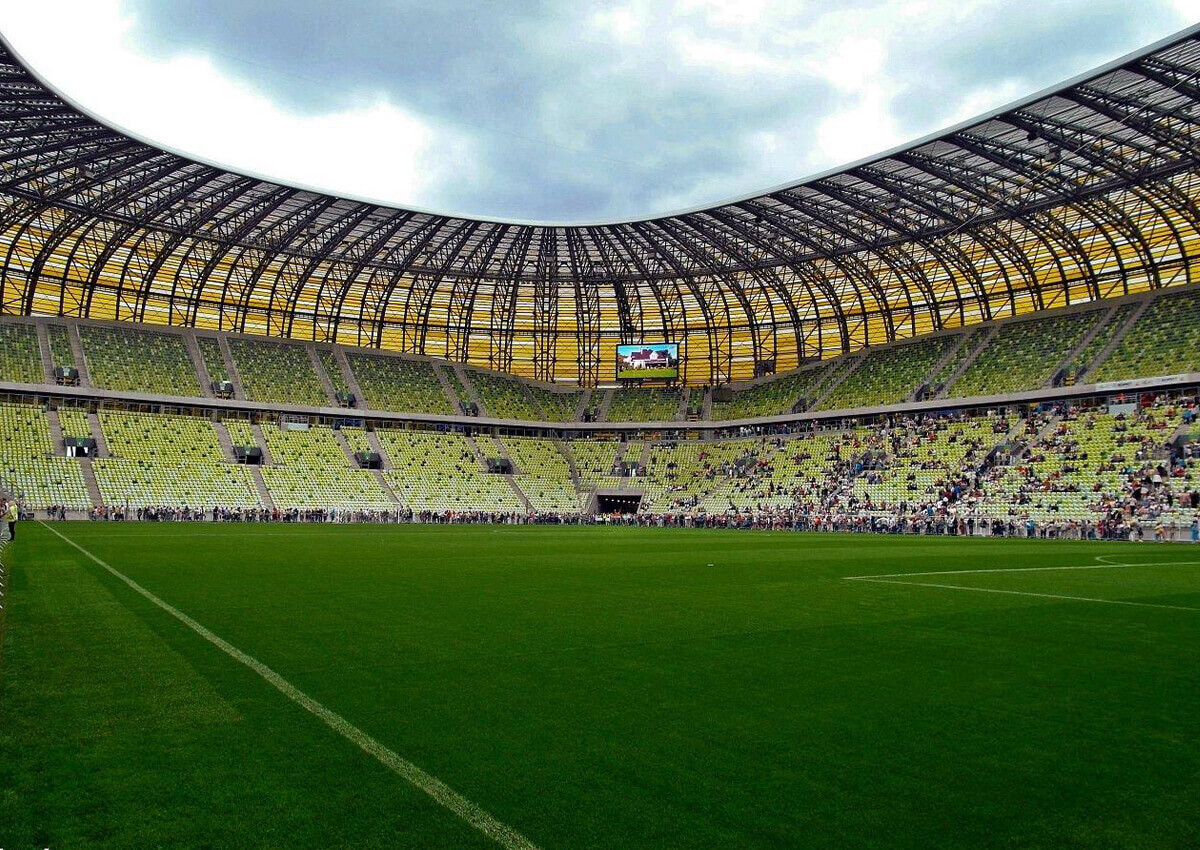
(193,348)
(512,482)
(980,343)
(447,387)
(322,375)
(348,375)
(85,378)
(224,439)
(260,484)
(385,486)
(585,399)
(261,440)
(472,392)
(89,479)
(56,433)
(377,447)
(98,435)
(948,355)
(1088,368)
(605,404)
(239,391)
(347,450)
(48,365)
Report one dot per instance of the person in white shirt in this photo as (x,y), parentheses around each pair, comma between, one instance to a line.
(11,516)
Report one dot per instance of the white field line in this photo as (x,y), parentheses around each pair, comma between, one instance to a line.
(1024,593)
(1106,565)
(443,794)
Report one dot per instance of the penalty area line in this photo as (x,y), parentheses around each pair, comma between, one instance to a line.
(1107,565)
(439,791)
(1022,593)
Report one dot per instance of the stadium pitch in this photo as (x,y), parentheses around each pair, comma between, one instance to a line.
(585,687)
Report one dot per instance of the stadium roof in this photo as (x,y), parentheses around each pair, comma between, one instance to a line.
(1083,192)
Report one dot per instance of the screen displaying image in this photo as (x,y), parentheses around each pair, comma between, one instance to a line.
(658,360)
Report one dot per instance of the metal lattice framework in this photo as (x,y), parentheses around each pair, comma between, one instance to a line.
(1086,192)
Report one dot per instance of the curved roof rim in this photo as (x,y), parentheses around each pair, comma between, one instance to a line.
(1078,79)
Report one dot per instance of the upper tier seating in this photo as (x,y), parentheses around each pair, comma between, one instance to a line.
(1087,355)
(438,471)
(505,398)
(138,361)
(554,406)
(333,369)
(60,346)
(1023,355)
(456,384)
(309,469)
(393,383)
(20,357)
(1164,341)
(971,339)
(635,404)
(28,466)
(773,397)
(160,460)
(277,372)
(888,376)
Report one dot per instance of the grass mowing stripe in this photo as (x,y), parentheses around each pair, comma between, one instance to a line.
(443,794)
(1020,592)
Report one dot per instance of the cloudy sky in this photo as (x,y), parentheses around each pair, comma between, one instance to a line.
(561,110)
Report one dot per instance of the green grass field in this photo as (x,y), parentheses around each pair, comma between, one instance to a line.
(598,688)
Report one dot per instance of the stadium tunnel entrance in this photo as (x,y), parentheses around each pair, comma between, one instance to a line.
(618,503)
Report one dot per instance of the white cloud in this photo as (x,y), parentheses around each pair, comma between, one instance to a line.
(583,110)
(373,149)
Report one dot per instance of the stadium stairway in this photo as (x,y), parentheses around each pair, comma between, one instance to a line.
(479,456)
(706,408)
(260,485)
(681,411)
(981,342)
(239,391)
(376,446)
(503,450)
(516,488)
(322,375)
(565,450)
(224,439)
(347,450)
(98,435)
(605,404)
(89,479)
(260,440)
(1134,317)
(947,357)
(339,356)
(384,486)
(73,337)
(193,350)
(455,401)
(56,433)
(644,457)
(1083,343)
(43,336)
(472,392)
(840,373)
(585,399)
